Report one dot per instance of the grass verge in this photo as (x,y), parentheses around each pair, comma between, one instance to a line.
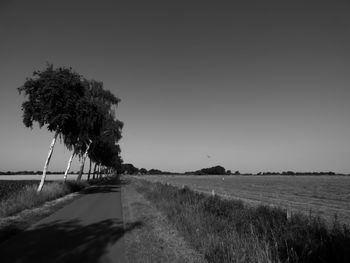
(155,239)
(27,197)
(230,231)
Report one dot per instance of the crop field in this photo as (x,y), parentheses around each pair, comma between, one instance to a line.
(324,196)
(9,187)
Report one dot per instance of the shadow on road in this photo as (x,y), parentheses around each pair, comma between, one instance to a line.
(113,185)
(65,241)
(97,189)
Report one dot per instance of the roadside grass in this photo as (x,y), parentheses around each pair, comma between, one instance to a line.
(8,187)
(27,197)
(230,231)
(321,196)
(155,239)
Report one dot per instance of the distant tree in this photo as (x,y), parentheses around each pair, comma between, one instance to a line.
(143,171)
(52,98)
(128,168)
(154,171)
(218,170)
(214,170)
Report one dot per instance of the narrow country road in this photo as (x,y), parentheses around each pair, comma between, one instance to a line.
(90,229)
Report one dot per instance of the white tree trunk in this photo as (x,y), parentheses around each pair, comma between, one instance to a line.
(68,166)
(94,176)
(42,181)
(83,162)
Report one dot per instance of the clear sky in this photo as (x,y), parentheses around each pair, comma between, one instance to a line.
(254,85)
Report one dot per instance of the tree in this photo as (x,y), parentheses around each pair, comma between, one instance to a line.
(97,121)
(95,118)
(219,170)
(214,170)
(128,168)
(52,98)
(143,171)
(154,171)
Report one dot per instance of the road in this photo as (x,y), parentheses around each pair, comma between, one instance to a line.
(90,229)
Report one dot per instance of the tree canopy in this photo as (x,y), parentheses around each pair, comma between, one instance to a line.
(80,111)
(52,97)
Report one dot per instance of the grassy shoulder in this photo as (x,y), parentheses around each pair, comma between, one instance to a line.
(27,197)
(155,239)
(230,231)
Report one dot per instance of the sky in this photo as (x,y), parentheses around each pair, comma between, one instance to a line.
(249,85)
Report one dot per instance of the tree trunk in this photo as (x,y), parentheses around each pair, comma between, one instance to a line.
(89,170)
(81,168)
(68,166)
(83,162)
(42,181)
(94,176)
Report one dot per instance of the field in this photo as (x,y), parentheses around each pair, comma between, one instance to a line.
(49,177)
(325,196)
(230,231)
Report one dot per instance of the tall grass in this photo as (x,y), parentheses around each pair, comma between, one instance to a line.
(28,197)
(230,231)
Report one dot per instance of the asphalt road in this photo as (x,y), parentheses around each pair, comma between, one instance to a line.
(90,229)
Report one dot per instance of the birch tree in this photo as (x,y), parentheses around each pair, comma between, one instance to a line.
(52,96)
(96,119)
(68,166)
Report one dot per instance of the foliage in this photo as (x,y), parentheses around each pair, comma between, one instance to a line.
(217,170)
(143,171)
(52,97)
(104,149)
(105,152)
(99,125)
(128,168)
(154,171)
(81,111)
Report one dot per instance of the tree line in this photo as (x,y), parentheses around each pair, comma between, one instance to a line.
(219,170)
(78,111)
(129,168)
